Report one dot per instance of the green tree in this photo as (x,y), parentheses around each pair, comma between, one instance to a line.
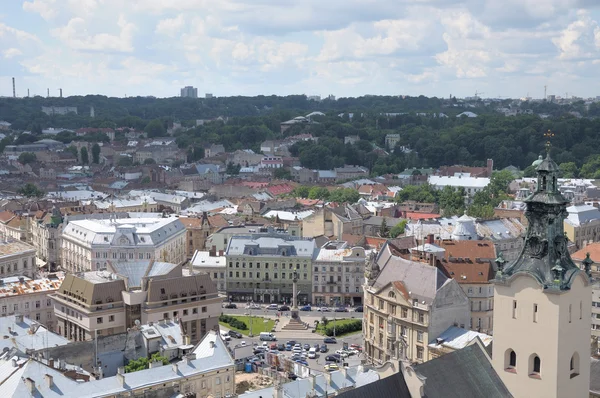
(568,169)
(144,363)
(452,201)
(27,157)
(398,229)
(85,159)
(233,169)
(155,128)
(591,167)
(282,174)
(96,153)
(30,191)
(301,191)
(422,194)
(149,161)
(73,150)
(318,193)
(384,230)
(145,180)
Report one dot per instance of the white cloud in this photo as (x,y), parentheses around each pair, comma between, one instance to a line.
(170,26)
(579,39)
(76,36)
(46,8)
(11,52)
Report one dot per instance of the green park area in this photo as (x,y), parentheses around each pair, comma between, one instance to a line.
(342,327)
(245,324)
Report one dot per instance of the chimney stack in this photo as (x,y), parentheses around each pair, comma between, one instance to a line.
(175,368)
(49,380)
(430,239)
(220,253)
(14,363)
(30,385)
(14,91)
(121,379)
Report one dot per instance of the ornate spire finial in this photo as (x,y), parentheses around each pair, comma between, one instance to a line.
(587,264)
(500,261)
(548,135)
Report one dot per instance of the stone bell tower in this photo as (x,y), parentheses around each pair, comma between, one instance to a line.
(542,304)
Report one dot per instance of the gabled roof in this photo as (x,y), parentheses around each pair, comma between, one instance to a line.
(467,372)
(391,386)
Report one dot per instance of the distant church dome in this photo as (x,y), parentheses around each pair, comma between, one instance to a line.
(539,161)
(465,229)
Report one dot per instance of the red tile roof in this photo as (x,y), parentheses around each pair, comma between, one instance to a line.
(592,248)
(468,261)
(6,216)
(414,215)
(280,189)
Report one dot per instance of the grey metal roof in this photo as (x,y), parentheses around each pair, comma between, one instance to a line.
(21,338)
(465,373)
(134,271)
(262,245)
(595,376)
(391,386)
(421,280)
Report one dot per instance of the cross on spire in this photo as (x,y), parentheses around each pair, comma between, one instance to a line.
(548,135)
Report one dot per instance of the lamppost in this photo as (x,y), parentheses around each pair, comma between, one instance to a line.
(251,321)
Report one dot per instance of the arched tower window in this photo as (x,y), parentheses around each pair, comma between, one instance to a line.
(510,361)
(543,183)
(535,366)
(574,365)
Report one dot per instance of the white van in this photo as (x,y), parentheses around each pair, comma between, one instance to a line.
(225,335)
(312,353)
(266,336)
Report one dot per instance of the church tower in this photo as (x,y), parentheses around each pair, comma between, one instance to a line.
(542,304)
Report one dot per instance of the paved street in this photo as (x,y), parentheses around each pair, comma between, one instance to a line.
(312,315)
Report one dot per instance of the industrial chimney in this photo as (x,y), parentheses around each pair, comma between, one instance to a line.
(48,95)
(14,91)
(60,92)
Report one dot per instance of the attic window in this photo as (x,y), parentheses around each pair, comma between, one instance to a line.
(142,239)
(481,273)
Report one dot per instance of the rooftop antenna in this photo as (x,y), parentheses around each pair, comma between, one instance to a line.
(48,93)
(27,93)
(14,91)
(545,96)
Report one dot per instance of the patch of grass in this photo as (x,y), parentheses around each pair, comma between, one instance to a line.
(258,324)
(340,324)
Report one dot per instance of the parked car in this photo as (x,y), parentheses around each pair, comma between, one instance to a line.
(323,309)
(356,347)
(292,376)
(235,334)
(230,306)
(359,309)
(312,353)
(330,367)
(253,306)
(323,348)
(306,346)
(258,350)
(342,353)
(306,308)
(329,340)
(288,347)
(302,362)
(284,308)
(281,347)
(273,346)
(272,307)
(341,309)
(291,342)
(317,345)
(243,343)
(333,358)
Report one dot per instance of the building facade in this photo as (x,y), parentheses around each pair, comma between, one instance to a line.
(261,267)
(582,225)
(189,92)
(338,275)
(542,303)
(89,244)
(214,264)
(30,297)
(198,230)
(108,302)
(46,234)
(407,305)
(17,259)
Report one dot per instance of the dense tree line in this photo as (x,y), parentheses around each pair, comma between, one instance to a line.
(425,140)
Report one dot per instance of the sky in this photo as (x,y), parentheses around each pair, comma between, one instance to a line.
(501,48)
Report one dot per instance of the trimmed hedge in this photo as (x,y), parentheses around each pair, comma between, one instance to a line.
(233,322)
(347,327)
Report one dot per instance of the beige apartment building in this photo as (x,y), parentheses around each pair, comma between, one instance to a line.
(16,259)
(582,225)
(338,275)
(30,297)
(90,244)
(408,304)
(46,236)
(110,301)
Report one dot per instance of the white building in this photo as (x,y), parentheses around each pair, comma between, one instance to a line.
(16,259)
(472,185)
(89,244)
(214,264)
(29,297)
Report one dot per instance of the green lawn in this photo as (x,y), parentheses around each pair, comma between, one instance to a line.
(258,324)
(338,322)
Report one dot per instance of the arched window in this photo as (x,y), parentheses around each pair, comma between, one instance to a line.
(574,365)
(510,361)
(535,366)
(392,295)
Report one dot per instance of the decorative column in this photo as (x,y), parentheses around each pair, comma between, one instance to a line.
(294,312)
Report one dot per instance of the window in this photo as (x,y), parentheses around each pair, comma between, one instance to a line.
(38,316)
(26,306)
(535,365)
(404,313)
(535,313)
(111,318)
(574,366)
(381,304)
(203,309)
(510,360)
(194,310)
(421,317)
(99,320)
(514,309)
(37,304)
(393,309)
(419,336)
(217,380)
(420,353)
